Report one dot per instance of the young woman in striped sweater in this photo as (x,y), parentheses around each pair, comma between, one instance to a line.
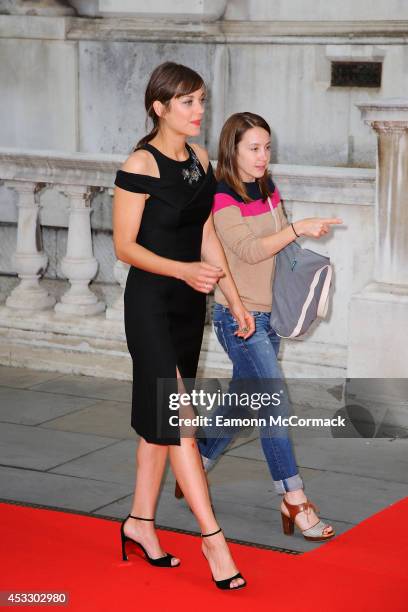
(248,233)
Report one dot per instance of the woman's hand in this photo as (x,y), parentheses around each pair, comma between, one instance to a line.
(201,276)
(244,319)
(316,226)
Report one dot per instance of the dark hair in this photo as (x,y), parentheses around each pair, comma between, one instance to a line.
(231,134)
(169,80)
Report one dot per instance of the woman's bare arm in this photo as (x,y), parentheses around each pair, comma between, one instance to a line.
(127,214)
(239,237)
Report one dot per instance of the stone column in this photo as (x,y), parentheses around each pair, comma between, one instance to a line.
(79,265)
(120,272)
(378,344)
(30,261)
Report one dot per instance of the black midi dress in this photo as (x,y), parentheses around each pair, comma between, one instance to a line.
(164,317)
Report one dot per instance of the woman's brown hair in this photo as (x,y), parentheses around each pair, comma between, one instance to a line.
(169,80)
(231,135)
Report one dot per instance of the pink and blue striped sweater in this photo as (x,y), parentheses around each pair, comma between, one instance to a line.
(240,226)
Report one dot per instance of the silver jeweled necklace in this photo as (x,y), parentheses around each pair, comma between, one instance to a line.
(192,173)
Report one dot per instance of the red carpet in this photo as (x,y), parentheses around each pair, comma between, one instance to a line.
(363,570)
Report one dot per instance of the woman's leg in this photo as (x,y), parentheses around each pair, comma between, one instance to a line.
(150,464)
(186,464)
(254,360)
(276,444)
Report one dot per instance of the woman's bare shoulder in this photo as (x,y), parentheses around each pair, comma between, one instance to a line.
(141,162)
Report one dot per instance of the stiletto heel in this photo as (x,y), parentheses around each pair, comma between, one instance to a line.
(124,555)
(164,561)
(313,533)
(225,585)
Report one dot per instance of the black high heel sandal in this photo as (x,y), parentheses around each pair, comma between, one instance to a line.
(225,584)
(164,561)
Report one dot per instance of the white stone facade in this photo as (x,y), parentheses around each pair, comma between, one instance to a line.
(72,109)
(76,83)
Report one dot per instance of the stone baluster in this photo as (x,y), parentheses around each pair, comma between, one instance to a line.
(30,261)
(120,272)
(79,264)
(379,313)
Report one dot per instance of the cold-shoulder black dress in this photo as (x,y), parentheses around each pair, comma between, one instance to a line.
(164,317)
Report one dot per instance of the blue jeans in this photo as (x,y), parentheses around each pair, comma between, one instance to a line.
(255,359)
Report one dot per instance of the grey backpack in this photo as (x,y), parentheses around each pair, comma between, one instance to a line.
(300,288)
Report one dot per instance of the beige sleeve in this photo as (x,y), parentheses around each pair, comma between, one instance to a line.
(283,219)
(237,236)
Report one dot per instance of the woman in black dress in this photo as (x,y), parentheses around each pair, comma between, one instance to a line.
(162,227)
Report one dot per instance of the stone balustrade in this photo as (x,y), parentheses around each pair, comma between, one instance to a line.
(79,178)
(69,316)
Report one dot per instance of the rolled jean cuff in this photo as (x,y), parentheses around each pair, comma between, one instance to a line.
(293,483)
(208,464)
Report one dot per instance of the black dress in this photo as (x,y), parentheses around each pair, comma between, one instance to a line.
(164,317)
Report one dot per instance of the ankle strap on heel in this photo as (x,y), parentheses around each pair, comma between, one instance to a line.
(295,509)
(207,535)
(140,518)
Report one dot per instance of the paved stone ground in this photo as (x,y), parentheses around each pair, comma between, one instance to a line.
(66,441)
